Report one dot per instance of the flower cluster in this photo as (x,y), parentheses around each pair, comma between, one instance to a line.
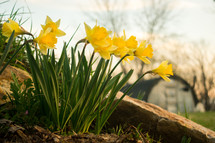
(122,47)
(119,46)
(46,39)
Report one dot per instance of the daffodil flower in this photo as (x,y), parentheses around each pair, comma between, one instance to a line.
(99,38)
(164,70)
(120,44)
(143,51)
(54,27)
(131,43)
(8,28)
(46,40)
(124,47)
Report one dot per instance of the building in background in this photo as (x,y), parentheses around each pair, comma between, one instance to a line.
(174,96)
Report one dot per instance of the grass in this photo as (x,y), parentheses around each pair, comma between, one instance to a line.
(206,119)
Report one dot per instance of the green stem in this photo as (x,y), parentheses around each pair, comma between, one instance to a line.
(82,54)
(116,104)
(72,36)
(136,82)
(28,33)
(89,70)
(118,64)
(71,86)
(111,61)
(81,41)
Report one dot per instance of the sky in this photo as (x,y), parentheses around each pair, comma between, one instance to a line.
(195,20)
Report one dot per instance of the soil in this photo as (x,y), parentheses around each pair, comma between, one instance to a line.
(11,132)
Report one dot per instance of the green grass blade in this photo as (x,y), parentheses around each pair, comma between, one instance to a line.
(7,49)
(73,35)
(55,91)
(61,60)
(4,2)
(53,58)
(38,75)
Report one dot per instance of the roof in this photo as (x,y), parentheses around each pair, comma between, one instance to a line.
(145,86)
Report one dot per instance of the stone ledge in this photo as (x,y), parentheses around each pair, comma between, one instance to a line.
(158,121)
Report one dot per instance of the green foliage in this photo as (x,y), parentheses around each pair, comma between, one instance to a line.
(185,111)
(133,134)
(118,130)
(23,96)
(7,50)
(71,94)
(24,104)
(205,119)
(24,101)
(185,139)
(140,95)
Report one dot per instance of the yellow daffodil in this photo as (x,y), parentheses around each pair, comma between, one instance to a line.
(120,44)
(131,44)
(54,27)
(127,59)
(105,51)
(124,47)
(164,70)
(46,40)
(8,28)
(100,40)
(143,51)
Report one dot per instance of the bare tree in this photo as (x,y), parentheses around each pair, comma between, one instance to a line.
(153,19)
(205,64)
(197,63)
(110,13)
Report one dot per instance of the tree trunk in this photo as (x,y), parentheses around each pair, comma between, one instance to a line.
(206,97)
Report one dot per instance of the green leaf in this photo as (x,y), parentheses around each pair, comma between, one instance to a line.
(61,60)
(53,58)
(6,51)
(38,76)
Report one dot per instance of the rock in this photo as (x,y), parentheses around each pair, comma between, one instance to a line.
(199,107)
(6,79)
(159,122)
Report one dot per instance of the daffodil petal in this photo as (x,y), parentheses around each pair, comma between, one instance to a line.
(164,70)
(48,19)
(165,78)
(105,55)
(60,33)
(57,23)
